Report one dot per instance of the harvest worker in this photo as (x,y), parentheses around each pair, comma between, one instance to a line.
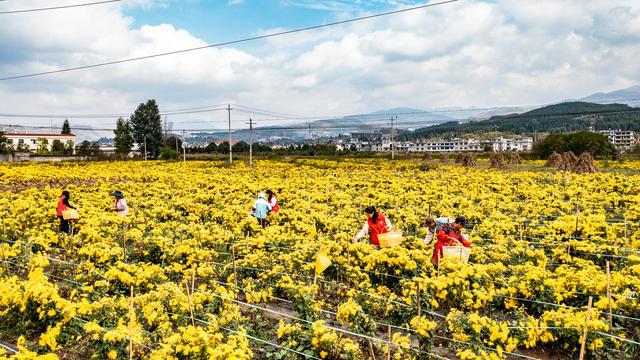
(273,201)
(63,205)
(260,209)
(375,225)
(433,226)
(450,235)
(121,204)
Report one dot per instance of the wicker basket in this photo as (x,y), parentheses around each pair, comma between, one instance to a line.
(460,253)
(390,239)
(71,214)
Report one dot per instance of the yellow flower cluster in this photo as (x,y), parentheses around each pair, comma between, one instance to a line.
(209,282)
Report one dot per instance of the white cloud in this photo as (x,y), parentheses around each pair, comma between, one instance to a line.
(462,54)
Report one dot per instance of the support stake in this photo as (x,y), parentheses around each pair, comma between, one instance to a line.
(583,345)
(131,324)
(609,294)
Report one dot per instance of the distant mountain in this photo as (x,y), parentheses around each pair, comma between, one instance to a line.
(404,118)
(629,96)
(563,117)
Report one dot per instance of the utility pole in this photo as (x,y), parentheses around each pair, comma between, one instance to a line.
(184,149)
(393,148)
(145,147)
(250,142)
(230,149)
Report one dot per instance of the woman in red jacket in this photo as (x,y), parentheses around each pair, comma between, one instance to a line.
(450,235)
(63,204)
(375,225)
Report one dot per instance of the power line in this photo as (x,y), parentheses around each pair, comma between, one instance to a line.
(289,117)
(57,7)
(229,42)
(364,126)
(195,110)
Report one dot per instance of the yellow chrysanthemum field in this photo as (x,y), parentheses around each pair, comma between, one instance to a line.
(190,275)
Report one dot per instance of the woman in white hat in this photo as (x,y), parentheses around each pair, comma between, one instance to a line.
(260,209)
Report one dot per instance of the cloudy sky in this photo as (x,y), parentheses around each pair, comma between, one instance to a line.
(462,54)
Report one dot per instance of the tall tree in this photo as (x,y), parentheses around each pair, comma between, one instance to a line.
(66,128)
(147,126)
(5,148)
(124,137)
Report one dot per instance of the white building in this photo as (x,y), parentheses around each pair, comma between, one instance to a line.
(31,142)
(521,144)
(517,144)
(623,139)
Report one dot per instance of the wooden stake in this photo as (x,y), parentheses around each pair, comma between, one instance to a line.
(625,226)
(373,355)
(4,259)
(131,324)
(520,232)
(193,281)
(583,345)
(233,255)
(609,294)
(396,208)
(418,299)
(193,323)
(390,338)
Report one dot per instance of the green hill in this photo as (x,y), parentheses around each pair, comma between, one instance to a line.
(564,117)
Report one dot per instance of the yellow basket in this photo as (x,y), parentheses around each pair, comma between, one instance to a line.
(390,239)
(460,253)
(71,214)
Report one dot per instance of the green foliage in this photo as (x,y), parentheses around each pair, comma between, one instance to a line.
(240,147)
(66,128)
(5,148)
(43,146)
(578,142)
(88,148)
(57,147)
(564,117)
(147,127)
(68,147)
(171,141)
(168,154)
(123,137)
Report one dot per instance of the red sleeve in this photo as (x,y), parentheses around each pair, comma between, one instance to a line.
(441,236)
(464,241)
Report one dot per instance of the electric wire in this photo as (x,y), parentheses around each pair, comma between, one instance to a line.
(247,39)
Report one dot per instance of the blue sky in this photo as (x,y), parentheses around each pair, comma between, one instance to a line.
(219,21)
(471,53)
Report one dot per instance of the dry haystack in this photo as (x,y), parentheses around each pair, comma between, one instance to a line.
(444,158)
(554,160)
(427,157)
(469,160)
(460,158)
(408,156)
(497,161)
(584,164)
(515,159)
(569,160)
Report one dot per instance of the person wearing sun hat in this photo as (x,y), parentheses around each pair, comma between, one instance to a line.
(260,209)
(121,204)
(450,235)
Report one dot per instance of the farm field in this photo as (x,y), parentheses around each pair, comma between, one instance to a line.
(190,275)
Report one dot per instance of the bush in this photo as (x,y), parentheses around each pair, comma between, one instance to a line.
(168,154)
(577,142)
